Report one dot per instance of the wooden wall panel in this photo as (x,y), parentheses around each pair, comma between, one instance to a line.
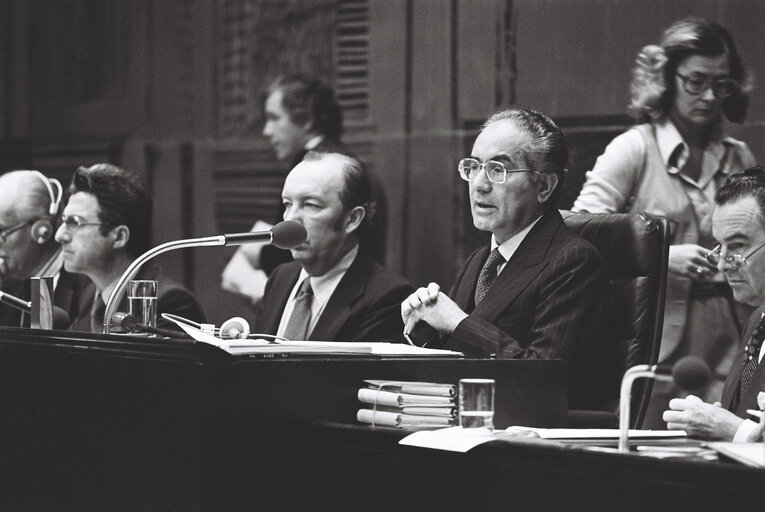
(432,145)
(480,53)
(388,110)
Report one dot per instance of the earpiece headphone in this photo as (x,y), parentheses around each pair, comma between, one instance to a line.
(42,229)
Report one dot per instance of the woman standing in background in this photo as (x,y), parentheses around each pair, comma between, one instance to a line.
(670,165)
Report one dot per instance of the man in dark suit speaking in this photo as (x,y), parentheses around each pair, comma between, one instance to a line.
(331,291)
(537,291)
(738,225)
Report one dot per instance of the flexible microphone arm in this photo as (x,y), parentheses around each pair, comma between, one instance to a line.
(688,373)
(625,400)
(286,235)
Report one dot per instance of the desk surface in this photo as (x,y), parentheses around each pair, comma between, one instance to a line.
(523,475)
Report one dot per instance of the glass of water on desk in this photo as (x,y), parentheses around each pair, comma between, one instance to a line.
(476,403)
(142,301)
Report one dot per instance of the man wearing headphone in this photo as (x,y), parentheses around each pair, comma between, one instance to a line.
(29,206)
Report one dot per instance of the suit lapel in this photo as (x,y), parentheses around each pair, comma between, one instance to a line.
(282,286)
(524,266)
(466,291)
(338,309)
(733,381)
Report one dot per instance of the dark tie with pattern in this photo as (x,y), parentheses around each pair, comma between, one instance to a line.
(97,314)
(488,275)
(752,350)
(297,327)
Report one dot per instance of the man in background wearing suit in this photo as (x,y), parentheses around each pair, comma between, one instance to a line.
(29,208)
(537,292)
(738,225)
(332,291)
(106,225)
(302,114)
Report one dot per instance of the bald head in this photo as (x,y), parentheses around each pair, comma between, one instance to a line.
(25,244)
(25,193)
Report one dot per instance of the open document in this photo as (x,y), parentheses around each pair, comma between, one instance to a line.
(258,346)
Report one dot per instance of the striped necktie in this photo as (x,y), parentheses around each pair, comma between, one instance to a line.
(488,275)
(752,350)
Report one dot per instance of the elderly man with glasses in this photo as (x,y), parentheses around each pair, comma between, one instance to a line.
(29,205)
(738,225)
(537,291)
(106,225)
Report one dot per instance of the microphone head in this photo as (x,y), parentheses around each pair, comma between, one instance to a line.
(690,373)
(288,234)
(60,319)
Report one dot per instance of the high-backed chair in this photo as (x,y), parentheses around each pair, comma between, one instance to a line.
(635,248)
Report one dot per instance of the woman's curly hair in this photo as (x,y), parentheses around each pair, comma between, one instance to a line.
(653,77)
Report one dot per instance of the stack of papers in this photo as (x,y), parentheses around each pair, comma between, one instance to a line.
(458,439)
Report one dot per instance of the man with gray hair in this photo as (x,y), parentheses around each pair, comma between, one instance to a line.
(29,208)
(537,291)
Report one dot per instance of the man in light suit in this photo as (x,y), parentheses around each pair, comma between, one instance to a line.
(331,291)
(537,291)
(738,225)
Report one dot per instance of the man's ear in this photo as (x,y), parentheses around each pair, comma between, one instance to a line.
(354,218)
(547,184)
(120,236)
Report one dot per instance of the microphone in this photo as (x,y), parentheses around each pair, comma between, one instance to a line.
(15,302)
(688,373)
(286,235)
(60,317)
(130,324)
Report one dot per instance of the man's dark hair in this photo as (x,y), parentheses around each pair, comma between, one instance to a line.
(122,199)
(309,100)
(750,183)
(547,152)
(357,189)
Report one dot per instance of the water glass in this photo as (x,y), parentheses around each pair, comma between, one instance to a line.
(476,403)
(142,301)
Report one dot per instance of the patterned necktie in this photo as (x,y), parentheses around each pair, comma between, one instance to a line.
(752,350)
(297,327)
(97,314)
(488,275)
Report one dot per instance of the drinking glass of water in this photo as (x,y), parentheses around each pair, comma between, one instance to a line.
(142,301)
(476,400)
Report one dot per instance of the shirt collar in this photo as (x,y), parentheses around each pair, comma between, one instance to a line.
(674,150)
(313,142)
(323,286)
(509,246)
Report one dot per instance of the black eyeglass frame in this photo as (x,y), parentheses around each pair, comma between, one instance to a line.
(706,83)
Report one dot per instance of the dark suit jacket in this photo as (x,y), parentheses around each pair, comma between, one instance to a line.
(545,304)
(733,382)
(171,298)
(365,306)
(66,296)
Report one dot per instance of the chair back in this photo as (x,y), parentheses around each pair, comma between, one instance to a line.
(635,248)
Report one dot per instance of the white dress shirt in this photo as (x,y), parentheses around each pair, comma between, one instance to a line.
(323,287)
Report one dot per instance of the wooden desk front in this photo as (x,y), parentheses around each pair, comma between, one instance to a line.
(120,423)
